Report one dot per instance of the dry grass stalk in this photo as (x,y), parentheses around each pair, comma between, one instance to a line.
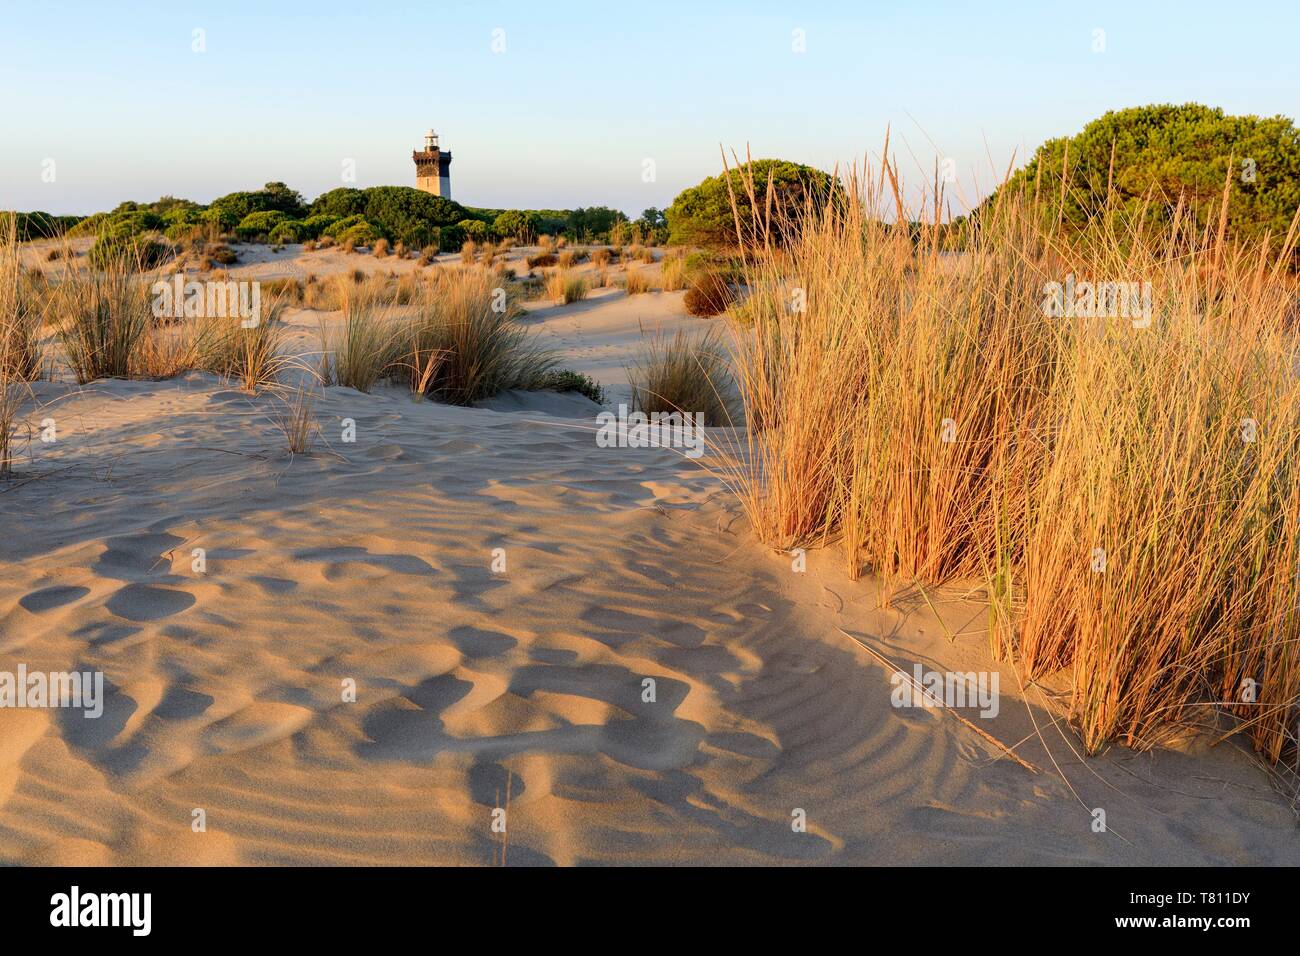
(297,421)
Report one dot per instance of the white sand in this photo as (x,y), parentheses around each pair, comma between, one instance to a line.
(372,562)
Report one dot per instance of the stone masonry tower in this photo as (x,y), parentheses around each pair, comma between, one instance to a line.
(433,167)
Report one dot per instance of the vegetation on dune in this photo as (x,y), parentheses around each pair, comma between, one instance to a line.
(636,282)
(590,222)
(253,357)
(1120,477)
(708,294)
(474,229)
(137,252)
(1118,470)
(290,230)
(397,213)
(685,374)
(41,225)
(520,224)
(365,347)
(259,224)
(449,238)
(567,380)
(585,224)
(230,210)
(564,287)
(464,344)
(20,358)
(278,214)
(672,273)
(1144,163)
(104,316)
(705,215)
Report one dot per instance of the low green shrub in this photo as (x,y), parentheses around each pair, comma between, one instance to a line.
(133,252)
(567,380)
(362,234)
(290,230)
(315,226)
(259,224)
(450,237)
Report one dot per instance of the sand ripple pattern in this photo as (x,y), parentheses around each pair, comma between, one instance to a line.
(372,567)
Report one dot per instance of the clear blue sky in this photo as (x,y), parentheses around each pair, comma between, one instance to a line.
(585,91)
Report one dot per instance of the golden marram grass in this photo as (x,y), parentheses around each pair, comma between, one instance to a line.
(1125,490)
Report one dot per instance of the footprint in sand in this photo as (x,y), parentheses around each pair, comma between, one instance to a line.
(47,599)
(129,556)
(144,602)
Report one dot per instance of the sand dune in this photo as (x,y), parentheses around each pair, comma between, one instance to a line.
(372,563)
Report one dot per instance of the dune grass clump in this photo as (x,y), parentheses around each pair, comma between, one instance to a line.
(709,294)
(563,287)
(20,356)
(464,344)
(636,282)
(326,295)
(20,314)
(105,313)
(685,374)
(170,349)
(1121,478)
(404,290)
(541,260)
(222,254)
(253,356)
(1186,442)
(364,348)
(290,290)
(528,288)
(249,357)
(672,274)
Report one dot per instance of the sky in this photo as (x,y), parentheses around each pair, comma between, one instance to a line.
(559,105)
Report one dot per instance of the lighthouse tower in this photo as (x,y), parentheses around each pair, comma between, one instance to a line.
(433,167)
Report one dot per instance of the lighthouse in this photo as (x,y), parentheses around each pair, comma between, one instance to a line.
(433,167)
